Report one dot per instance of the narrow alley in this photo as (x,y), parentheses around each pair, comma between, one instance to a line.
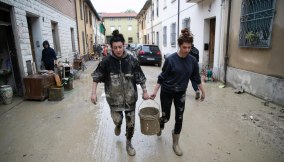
(225,127)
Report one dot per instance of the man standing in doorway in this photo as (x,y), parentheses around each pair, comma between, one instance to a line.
(48,56)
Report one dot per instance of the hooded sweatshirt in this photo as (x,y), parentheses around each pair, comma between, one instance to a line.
(48,54)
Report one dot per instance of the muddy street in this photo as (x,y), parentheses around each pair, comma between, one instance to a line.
(225,127)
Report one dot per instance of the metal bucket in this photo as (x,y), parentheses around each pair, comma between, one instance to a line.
(149,120)
(6,94)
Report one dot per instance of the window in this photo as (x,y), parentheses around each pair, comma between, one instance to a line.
(129,27)
(81,9)
(90,16)
(173,34)
(111,19)
(83,39)
(72,39)
(86,14)
(130,18)
(157,12)
(130,40)
(186,23)
(112,28)
(256,23)
(165,36)
(152,12)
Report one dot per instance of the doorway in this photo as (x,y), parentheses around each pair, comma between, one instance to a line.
(35,35)
(9,64)
(211,42)
(55,36)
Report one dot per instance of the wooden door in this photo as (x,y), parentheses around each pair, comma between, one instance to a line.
(212,42)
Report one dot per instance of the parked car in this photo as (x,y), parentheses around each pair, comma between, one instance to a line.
(149,54)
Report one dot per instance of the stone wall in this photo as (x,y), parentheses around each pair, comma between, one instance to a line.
(46,14)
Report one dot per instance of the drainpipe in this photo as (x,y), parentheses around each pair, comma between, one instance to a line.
(78,32)
(178,16)
(227,44)
(152,17)
(85,33)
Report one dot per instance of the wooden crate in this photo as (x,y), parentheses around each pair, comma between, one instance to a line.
(36,86)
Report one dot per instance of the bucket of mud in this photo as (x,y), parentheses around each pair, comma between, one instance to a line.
(6,94)
(149,120)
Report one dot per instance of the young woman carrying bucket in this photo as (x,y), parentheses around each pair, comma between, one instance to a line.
(120,73)
(177,70)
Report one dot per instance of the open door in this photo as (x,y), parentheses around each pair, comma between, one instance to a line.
(9,63)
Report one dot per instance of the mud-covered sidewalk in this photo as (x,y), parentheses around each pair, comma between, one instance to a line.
(227,126)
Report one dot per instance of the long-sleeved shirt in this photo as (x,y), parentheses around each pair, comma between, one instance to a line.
(177,71)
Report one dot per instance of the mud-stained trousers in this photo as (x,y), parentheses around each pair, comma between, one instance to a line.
(117,117)
(166,104)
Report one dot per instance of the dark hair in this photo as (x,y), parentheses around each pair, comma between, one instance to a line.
(116,37)
(45,43)
(185,37)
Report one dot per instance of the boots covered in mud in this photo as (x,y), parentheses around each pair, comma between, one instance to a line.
(129,148)
(176,147)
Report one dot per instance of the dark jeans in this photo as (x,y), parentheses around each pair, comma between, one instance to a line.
(166,104)
(194,85)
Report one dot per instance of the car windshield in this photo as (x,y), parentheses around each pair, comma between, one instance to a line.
(150,48)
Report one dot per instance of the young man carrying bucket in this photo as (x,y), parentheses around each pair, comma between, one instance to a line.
(173,80)
(120,73)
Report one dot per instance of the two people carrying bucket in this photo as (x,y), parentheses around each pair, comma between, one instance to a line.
(121,72)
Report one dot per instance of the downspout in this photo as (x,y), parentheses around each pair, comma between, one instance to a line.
(227,44)
(152,17)
(86,40)
(178,17)
(78,32)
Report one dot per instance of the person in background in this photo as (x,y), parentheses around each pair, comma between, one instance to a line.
(120,72)
(105,50)
(48,58)
(178,69)
(195,53)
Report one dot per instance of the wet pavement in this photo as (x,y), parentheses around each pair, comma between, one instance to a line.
(225,127)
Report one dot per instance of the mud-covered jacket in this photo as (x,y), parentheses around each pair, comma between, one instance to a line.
(120,76)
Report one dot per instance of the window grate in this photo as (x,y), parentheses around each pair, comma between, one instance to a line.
(256,23)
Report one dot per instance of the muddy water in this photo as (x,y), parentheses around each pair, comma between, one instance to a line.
(218,129)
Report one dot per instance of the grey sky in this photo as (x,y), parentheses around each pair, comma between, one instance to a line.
(117,5)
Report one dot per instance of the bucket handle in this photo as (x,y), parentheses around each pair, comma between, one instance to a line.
(159,108)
